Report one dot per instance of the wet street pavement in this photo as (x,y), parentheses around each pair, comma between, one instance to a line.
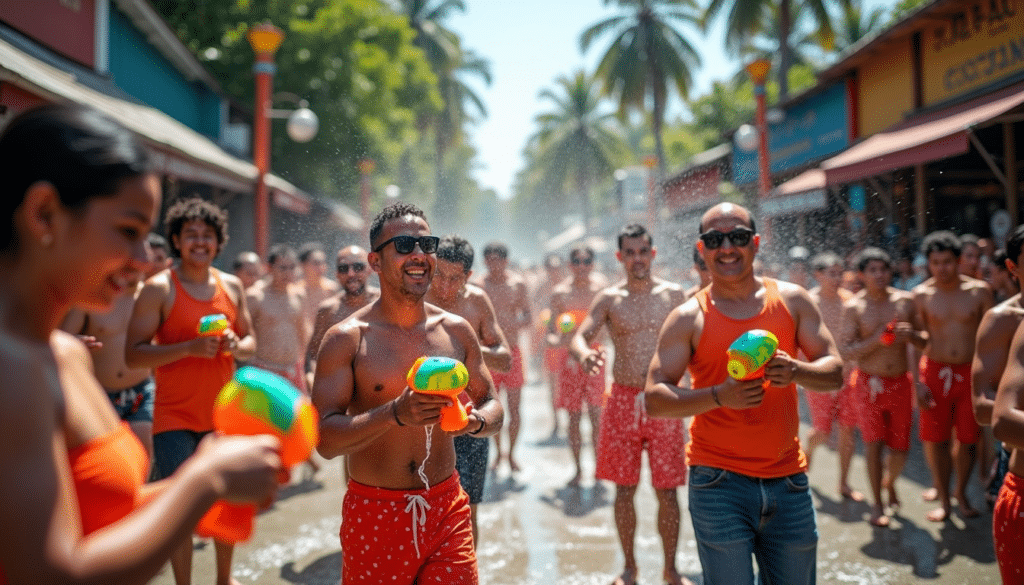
(535,530)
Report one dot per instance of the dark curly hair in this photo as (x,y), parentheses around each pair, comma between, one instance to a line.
(941,241)
(394,211)
(193,208)
(455,249)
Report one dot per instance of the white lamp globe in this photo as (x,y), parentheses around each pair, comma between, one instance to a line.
(303,125)
(746,138)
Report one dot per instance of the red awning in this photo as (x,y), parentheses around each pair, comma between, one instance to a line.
(922,139)
(809,180)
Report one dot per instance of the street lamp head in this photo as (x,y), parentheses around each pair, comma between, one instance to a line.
(302,125)
(746,138)
(264,38)
(758,70)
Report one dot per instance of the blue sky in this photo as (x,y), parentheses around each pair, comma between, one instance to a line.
(530,43)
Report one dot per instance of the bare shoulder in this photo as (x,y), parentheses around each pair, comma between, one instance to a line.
(159,284)
(344,336)
(795,296)
(447,319)
(29,387)
(329,305)
(924,289)
(666,286)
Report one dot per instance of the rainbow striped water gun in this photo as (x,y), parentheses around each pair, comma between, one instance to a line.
(211,325)
(569,320)
(444,376)
(750,352)
(258,402)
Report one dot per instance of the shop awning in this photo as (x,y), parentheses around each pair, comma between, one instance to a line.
(809,180)
(929,137)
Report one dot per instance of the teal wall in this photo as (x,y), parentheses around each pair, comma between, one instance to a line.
(142,72)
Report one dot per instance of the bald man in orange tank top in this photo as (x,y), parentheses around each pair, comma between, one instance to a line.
(749,494)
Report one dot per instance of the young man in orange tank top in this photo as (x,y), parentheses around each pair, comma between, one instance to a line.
(190,369)
(744,451)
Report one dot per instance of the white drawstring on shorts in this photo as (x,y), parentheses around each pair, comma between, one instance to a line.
(639,409)
(876,387)
(418,506)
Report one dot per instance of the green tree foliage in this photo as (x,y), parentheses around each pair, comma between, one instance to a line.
(854,23)
(576,145)
(775,19)
(647,55)
(353,60)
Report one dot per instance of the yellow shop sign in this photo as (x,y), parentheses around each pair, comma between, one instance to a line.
(979,43)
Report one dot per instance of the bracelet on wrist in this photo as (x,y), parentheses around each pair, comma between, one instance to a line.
(394,412)
(714,394)
(483,423)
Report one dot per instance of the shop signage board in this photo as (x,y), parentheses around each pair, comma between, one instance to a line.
(812,129)
(979,44)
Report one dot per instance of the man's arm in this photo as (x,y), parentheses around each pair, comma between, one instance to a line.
(1008,410)
(579,347)
(663,398)
(851,346)
(147,315)
(496,351)
(523,302)
(554,337)
(487,415)
(333,388)
(242,346)
(320,326)
(995,333)
(823,370)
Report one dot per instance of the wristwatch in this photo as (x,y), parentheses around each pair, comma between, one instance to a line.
(483,423)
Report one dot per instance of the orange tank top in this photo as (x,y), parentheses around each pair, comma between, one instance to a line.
(759,442)
(108,472)
(186,389)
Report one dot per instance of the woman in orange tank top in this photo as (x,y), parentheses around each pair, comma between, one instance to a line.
(80,203)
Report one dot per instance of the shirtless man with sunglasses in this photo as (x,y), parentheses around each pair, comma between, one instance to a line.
(353,272)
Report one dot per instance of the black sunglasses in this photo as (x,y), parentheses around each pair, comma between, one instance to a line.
(713,239)
(355,266)
(578,261)
(406,244)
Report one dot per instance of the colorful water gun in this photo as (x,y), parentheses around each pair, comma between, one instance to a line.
(444,376)
(258,402)
(211,325)
(568,321)
(544,318)
(750,352)
(889,335)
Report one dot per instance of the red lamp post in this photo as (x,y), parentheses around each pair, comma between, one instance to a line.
(758,71)
(265,39)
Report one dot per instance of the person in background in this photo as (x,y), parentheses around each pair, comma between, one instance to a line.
(970,256)
(907,277)
(633,311)
(1003,281)
(159,254)
(796,266)
(248,267)
(279,321)
(553,357)
(316,288)
(833,408)
(190,369)
(703,276)
(79,200)
(507,290)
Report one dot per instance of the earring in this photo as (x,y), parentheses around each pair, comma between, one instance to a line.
(46,240)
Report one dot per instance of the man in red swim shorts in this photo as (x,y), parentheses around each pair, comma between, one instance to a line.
(876,330)
(949,308)
(634,311)
(406,518)
(569,304)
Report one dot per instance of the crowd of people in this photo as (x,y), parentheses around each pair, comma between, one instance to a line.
(110,440)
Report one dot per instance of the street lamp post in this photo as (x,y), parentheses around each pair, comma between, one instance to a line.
(366,166)
(265,39)
(758,71)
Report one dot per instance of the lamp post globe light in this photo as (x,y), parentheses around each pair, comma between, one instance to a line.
(302,126)
(746,138)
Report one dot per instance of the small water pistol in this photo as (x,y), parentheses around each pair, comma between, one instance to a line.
(567,322)
(258,402)
(444,376)
(889,335)
(211,325)
(750,352)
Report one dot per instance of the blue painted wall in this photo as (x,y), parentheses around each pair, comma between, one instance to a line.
(813,128)
(142,72)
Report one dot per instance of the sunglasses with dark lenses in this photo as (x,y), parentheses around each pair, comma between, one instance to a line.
(406,244)
(713,239)
(355,266)
(586,261)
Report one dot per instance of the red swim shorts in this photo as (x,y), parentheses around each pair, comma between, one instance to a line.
(513,378)
(885,408)
(829,407)
(626,430)
(951,391)
(554,357)
(1008,529)
(407,536)
(575,386)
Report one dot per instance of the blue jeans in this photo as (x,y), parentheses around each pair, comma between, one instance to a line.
(736,516)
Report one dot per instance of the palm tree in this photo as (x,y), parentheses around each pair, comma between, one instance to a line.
(854,23)
(747,19)
(449,127)
(440,45)
(645,56)
(576,143)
